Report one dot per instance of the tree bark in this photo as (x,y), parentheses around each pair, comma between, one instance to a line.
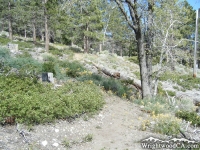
(25,33)
(86,41)
(34,32)
(46,28)
(10,23)
(100,48)
(149,46)
(144,75)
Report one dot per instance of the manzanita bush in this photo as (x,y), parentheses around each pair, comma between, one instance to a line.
(32,102)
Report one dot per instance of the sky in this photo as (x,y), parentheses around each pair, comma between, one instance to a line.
(194,3)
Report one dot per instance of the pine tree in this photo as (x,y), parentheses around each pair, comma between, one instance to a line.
(7,7)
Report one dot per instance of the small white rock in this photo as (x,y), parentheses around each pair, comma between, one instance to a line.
(55,144)
(44,143)
(56,130)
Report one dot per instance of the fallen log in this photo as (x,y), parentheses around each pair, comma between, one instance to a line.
(117,76)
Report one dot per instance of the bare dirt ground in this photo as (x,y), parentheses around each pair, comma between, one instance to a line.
(115,127)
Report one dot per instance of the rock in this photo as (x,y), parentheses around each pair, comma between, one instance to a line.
(196,102)
(47,77)
(55,144)
(44,143)
(13,47)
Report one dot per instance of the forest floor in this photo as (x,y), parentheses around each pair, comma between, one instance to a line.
(115,127)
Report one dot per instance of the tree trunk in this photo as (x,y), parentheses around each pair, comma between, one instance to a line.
(10,24)
(46,29)
(86,41)
(72,43)
(25,33)
(42,36)
(134,21)
(144,76)
(34,32)
(46,34)
(100,48)
(149,47)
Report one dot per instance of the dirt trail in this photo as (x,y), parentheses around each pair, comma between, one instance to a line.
(115,127)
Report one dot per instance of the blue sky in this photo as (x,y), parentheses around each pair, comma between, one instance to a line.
(194,3)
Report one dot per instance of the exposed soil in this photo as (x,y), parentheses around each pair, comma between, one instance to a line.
(116,126)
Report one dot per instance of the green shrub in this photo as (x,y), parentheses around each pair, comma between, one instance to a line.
(109,84)
(116,86)
(185,81)
(166,124)
(49,57)
(134,59)
(22,45)
(171,93)
(4,53)
(25,64)
(160,90)
(48,67)
(161,104)
(4,41)
(57,52)
(97,79)
(25,54)
(3,35)
(34,103)
(59,73)
(189,116)
(73,69)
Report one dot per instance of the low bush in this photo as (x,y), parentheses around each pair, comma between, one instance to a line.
(4,41)
(49,57)
(49,67)
(97,79)
(4,53)
(25,65)
(22,45)
(166,124)
(56,52)
(109,84)
(134,59)
(34,103)
(73,69)
(160,90)
(185,81)
(160,105)
(117,87)
(190,116)
(171,93)
(162,123)
(25,54)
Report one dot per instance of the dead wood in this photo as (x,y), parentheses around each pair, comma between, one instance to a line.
(117,76)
